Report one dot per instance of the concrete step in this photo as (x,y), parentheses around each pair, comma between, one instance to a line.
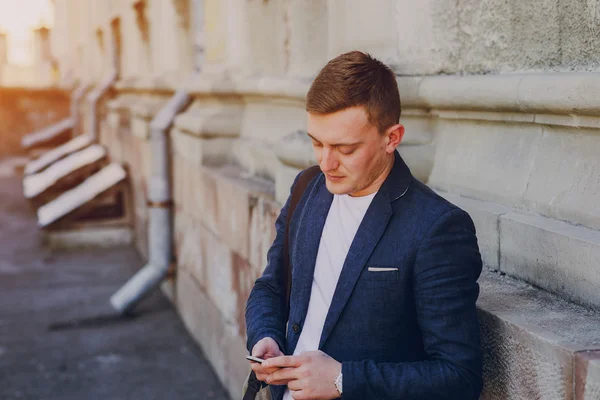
(50,135)
(76,198)
(548,253)
(50,157)
(536,345)
(36,184)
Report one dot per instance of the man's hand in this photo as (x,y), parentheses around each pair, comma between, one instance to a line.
(265,348)
(310,375)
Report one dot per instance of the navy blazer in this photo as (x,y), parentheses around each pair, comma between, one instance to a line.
(411,333)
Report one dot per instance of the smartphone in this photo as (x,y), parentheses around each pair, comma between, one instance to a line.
(255,359)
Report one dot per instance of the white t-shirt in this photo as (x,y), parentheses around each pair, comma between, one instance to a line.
(344,217)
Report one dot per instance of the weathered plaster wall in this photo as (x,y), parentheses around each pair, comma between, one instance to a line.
(24,111)
(495,36)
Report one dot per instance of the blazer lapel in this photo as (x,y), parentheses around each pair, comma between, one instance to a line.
(369,232)
(305,239)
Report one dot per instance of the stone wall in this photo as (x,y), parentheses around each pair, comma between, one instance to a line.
(500,104)
(24,111)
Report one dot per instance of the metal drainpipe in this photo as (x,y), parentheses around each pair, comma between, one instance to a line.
(160,232)
(94,98)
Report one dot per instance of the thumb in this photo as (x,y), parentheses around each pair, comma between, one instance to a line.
(266,348)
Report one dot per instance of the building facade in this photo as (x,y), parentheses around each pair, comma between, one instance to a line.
(502,114)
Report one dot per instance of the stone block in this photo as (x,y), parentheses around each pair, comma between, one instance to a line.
(114,119)
(486,217)
(482,92)
(307,21)
(220,277)
(212,118)
(207,204)
(270,121)
(284,178)
(221,343)
(419,128)
(587,375)
(295,150)
(485,160)
(530,340)
(243,281)
(551,254)
(140,128)
(217,151)
(262,233)
(144,156)
(186,147)
(257,158)
(234,217)
(216,29)
(419,159)
(358,25)
(191,248)
(266,46)
(177,185)
(564,180)
(203,320)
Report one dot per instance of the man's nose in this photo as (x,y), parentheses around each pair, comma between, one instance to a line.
(329,161)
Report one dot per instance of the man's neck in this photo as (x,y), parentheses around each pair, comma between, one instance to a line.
(378,181)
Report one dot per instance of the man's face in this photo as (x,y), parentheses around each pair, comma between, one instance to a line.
(351,152)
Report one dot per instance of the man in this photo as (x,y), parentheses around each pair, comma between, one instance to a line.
(384,271)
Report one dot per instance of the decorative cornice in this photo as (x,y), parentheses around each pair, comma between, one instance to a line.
(555,93)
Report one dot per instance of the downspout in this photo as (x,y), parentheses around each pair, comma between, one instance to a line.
(160,232)
(93,99)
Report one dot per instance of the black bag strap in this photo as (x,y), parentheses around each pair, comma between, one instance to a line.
(254,386)
(297,193)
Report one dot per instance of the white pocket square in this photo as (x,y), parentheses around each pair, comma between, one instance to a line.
(377,269)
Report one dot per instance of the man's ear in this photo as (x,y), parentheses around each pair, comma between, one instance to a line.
(394,135)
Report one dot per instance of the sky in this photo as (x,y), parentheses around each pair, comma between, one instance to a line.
(17,19)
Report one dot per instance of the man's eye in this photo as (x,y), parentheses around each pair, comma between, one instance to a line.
(347,152)
(317,144)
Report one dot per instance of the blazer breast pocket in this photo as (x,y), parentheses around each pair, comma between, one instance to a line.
(381,273)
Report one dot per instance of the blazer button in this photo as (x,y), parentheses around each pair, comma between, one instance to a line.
(296,328)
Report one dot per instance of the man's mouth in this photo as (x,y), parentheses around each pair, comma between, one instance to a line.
(334,178)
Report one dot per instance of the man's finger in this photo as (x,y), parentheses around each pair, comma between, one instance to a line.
(299,395)
(296,384)
(282,376)
(260,369)
(282,362)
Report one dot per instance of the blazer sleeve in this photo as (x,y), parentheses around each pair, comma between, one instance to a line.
(266,314)
(446,270)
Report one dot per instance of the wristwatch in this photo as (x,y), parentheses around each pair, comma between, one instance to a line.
(338,383)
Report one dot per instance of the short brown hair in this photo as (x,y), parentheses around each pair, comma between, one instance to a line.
(357,79)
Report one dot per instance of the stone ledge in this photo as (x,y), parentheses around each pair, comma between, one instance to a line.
(560,93)
(551,93)
(531,340)
(552,254)
(211,120)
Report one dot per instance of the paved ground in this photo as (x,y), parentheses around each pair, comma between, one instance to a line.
(59,338)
